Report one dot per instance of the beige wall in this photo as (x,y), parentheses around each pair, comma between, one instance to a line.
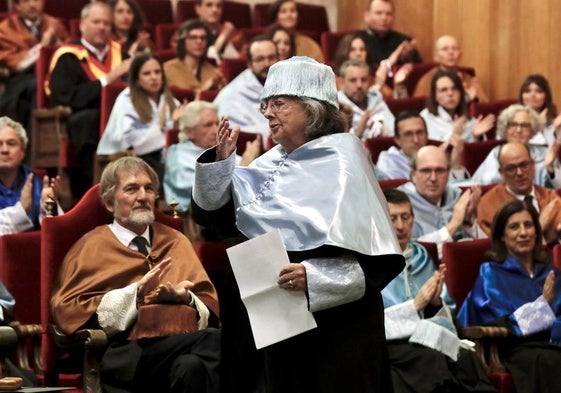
(503,39)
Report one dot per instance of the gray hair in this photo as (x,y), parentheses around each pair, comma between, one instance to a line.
(88,7)
(352,63)
(508,113)
(111,176)
(5,121)
(190,116)
(323,118)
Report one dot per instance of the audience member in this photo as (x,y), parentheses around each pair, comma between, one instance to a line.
(22,34)
(381,40)
(23,196)
(519,123)
(240,99)
(190,69)
(371,115)
(517,171)
(78,71)
(141,114)
(521,290)
(416,295)
(128,26)
(158,307)
(536,93)
(442,212)
(285,13)
(198,125)
(410,135)
(283,39)
(447,112)
(353,47)
(447,53)
(224,41)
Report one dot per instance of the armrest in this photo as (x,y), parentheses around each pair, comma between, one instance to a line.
(486,339)
(29,335)
(93,342)
(8,337)
(83,338)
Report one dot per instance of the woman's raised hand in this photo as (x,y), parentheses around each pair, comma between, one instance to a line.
(226,139)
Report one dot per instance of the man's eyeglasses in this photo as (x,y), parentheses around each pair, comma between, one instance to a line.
(437,171)
(511,169)
(523,126)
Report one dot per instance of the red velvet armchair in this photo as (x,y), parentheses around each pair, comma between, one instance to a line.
(474,153)
(311,17)
(20,266)
(494,107)
(462,260)
(157,11)
(58,234)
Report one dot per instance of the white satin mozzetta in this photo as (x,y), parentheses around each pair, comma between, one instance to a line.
(323,193)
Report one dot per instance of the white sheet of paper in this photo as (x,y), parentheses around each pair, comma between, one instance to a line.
(275,314)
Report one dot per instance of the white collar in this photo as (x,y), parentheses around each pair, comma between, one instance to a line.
(29,23)
(521,197)
(444,115)
(99,54)
(125,235)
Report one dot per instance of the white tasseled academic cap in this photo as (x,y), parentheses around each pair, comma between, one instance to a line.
(301,76)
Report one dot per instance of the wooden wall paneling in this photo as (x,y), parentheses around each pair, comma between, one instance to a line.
(351,14)
(505,44)
(504,40)
(415,18)
(554,46)
(474,35)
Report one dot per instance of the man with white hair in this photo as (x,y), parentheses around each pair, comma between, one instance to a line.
(23,197)
(198,128)
(447,53)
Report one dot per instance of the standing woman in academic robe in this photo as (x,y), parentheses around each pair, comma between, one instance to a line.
(520,290)
(342,276)
(141,115)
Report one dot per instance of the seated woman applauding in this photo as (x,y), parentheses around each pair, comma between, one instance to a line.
(447,113)
(518,289)
(141,114)
(191,69)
